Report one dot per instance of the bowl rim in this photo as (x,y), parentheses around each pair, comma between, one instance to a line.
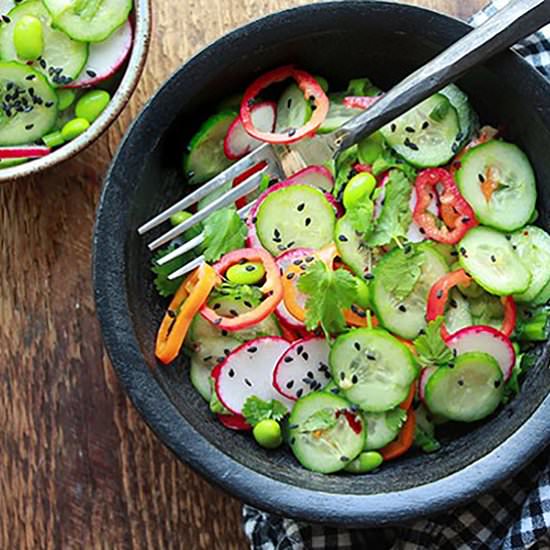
(252,487)
(138,55)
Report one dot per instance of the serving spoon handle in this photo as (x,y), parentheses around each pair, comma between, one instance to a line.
(516,21)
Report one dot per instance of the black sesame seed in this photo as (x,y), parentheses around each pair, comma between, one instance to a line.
(497,383)
(216,306)
(371,357)
(357,346)
(299,349)
(247,304)
(289,359)
(408,143)
(410,129)
(453,303)
(289,103)
(393,127)
(171,313)
(225,333)
(354,379)
(290,275)
(439,294)
(335,391)
(342,238)
(402,308)
(30,77)
(463,251)
(493,258)
(291,132)
(290,244)
(342,375)
(300,207)
(252,349)
(309,374)
(276,233)
(248,382)
(307,221)
(309,259)
(422,230)
(6,19)
(281,247)
(344,458)
(454,253)
(29,126)
(292,440)
(425,125)
(289,384)
(299,261)
(305,356)
(299,393)
(481,178)
(234,312)
(461,382)
(249,268)
(465,219)
(231,373)
(42,63)
(217,321)
(369,276)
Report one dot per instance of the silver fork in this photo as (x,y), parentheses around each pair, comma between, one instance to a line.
(514,22)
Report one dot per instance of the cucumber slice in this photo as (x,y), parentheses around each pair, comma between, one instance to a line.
(467,117)
(202,330)
(532,245)
(486,309)
(295,216)
(325,450)
(458,313)
(383,428)
(469,391)
(293,110)
(373,368)
(89,20)
(338,114)
(352,249)
(489,258)
(62,59)
(29,104)
(199,373)
(205,157)
(426,135)
(407,317)
(213,350)
(512,204)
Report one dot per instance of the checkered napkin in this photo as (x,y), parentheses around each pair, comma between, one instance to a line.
(514,517)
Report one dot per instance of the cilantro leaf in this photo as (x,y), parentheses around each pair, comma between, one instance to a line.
(255,410)
(223,231)
(400,272)
(328,293)
(425,441)
(430,346)
(360,216)
(323,419)
(393,223)
(395,419)
(344,169)
(165,287)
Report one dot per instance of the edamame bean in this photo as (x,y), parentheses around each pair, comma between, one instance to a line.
(28,38)
(54,139)
(92,104)
(370,148)
(74,128)
(268,434)
(358,188)
(179,217)
(248,273)
(363,294)
(65,98)
(365,462)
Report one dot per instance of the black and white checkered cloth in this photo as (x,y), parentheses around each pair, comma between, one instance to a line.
(516,516)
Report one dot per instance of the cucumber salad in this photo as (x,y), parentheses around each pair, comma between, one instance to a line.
(360,308)
(60,61)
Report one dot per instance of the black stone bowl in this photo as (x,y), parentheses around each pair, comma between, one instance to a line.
(338,40)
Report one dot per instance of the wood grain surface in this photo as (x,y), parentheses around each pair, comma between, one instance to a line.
(78,467)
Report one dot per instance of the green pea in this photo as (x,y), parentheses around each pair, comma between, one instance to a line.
(28,38)
(74,128)
(358,188)
(363,294)
(179,217)
(54,139)
(65,98)
(365,462)
(248,273)
(268,434)
(92,104)
(370,148)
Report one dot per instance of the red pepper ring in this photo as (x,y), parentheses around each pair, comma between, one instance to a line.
(312,92)
(450,199)
(439,294)
(272,290)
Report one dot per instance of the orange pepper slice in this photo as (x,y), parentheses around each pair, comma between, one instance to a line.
(404,440)
(191,295)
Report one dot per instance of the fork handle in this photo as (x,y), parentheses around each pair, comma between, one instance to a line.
(514,22)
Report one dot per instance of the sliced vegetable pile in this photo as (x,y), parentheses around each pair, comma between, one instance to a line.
(53,54)
(362,305)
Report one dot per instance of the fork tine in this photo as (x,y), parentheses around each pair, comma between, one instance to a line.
(189,245)
(226,199)
(260,154)
(186,268)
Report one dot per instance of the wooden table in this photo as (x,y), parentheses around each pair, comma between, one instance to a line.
(78,467)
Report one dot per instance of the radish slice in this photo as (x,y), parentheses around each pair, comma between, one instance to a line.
(283,261)
(414,235)
(248,370)
(423,381)
(24,151)
(105,58)
(316,176)
(238,142)
(303,368)
(234,422)
(488,340)
(252,240)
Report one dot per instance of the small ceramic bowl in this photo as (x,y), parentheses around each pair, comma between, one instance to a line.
(338,40)
(130,78)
